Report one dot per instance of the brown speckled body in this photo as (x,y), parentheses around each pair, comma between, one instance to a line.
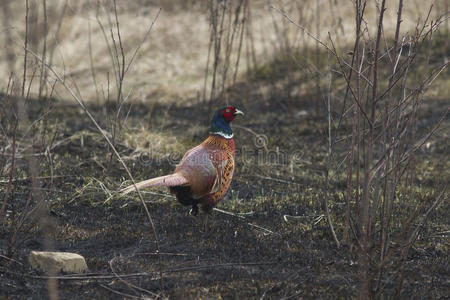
(209,168)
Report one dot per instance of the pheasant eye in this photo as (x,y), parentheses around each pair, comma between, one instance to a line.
(228,114)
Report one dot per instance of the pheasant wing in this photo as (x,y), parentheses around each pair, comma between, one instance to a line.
(198,167)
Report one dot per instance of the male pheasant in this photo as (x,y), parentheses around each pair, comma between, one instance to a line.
(204,174)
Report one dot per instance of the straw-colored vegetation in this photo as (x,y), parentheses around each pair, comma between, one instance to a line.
(170,65)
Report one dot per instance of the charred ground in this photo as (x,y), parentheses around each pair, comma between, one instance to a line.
(277,245)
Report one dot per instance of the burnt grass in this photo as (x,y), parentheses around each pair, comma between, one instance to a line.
(277,246)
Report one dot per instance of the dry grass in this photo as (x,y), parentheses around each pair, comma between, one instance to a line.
(170,64)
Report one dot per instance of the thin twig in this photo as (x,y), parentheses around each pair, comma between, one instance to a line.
(11,259)
(132,286)
(25,52)
(142,41)
(11,171)
(145,274)
(119,293)
(249,224)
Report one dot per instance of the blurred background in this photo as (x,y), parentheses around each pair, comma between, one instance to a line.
(170,65)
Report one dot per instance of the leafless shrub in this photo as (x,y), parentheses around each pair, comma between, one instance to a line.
(227,30)
(19,146)
(387,91)
(22,137)
(29,141)
(386,103)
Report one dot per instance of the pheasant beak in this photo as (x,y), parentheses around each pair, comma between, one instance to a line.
(238,112)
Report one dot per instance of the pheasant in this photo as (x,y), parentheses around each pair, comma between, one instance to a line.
(204,174)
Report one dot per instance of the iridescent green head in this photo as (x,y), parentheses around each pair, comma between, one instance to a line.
(221,122)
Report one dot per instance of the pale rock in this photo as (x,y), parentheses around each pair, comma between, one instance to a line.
(301,113)
(57,261)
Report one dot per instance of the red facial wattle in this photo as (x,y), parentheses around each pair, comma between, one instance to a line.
(228,113)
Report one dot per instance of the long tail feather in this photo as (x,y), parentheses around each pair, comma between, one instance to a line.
(168,180)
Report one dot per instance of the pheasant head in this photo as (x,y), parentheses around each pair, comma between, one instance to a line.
(221,122)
